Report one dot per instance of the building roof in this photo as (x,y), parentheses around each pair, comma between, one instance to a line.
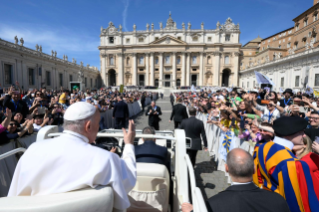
(304,13)
(258,39)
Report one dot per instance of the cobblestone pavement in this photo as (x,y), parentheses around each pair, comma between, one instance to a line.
(208,179)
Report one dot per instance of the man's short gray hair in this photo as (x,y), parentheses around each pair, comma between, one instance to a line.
(75,126)
(148,130)
(240,167)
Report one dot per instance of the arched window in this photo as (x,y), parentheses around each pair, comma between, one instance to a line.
(226,59)
(296,45)
(209,60)
(156,60)
(194,60)
(167,59)
(178,83)
(195,38)
(128,61)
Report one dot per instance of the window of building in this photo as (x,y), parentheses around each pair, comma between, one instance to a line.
(156,69)
(156,38)
(111,61)
(297,81)
(91,82)
(282,82)
(309,34)
(194,69)
(194,60)
(267,46)
(8,74)
(178,69)
(141,60)
(288,45)
(178,82)
(70,78)
(141,40)
(263,48)
(128,40)
(156,83)
(316,79)
(111,39)
(61,79)
(296,45)
(167,59)
(305,22)
(179,38)
(279,46)
(31,76)
(226,59)
(297,27)
(178,60)
(209,39)
(227,37)
(304,40)
(156,60)
(95,82)
(48,78)
(127,61)
(209,60)
(195,38)
(85,82)
(315,17)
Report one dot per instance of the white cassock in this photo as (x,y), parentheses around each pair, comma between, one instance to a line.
(69,162)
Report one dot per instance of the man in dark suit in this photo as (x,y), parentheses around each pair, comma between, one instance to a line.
(120,113)
(153,112)
(13,102)
(179,113)
(194,129)
(172,99)
(243,195)
(143,100)
(150,152)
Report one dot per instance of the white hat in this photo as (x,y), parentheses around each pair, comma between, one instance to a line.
(79,111)
(254,90)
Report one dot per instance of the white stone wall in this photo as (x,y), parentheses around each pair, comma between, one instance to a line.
(22,59)
(287,68)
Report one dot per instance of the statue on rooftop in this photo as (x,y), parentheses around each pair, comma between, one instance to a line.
(52,53)
(161,25)
(152,26)
(183,25)
(189,25)
(40,48)
(147,26)
(37,47)
(55,54)
(134,27)
(120,27)
(21,41)
(16,40)
(202,25)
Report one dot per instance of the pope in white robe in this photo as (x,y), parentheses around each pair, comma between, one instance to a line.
(69,162)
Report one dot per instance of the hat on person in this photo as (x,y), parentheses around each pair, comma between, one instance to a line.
(289,125)
(253,91)
(79,111)
(288,90)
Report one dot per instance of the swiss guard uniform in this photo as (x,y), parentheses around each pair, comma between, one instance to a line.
(279,170)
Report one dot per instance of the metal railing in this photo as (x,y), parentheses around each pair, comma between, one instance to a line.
(12,152)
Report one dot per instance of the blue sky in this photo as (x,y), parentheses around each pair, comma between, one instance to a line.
(73,27)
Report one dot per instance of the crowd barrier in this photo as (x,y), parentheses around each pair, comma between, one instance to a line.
(7,166)
(215,138)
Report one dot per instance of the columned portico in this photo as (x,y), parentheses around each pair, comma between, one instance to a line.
(177,56)
(160,58)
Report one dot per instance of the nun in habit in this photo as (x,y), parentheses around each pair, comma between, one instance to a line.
(69,162)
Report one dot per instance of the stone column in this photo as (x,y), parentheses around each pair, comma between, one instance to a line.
(134,77)
(160,58)
(236,69)
(174,70)
(216,68)
(120,69)
(152,69)
(146,70)
(188,69)
(106,74)
(183,70)
(201,69)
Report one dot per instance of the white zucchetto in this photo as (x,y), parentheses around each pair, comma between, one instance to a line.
(79,111)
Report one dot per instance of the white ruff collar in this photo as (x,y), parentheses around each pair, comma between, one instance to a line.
(284,142)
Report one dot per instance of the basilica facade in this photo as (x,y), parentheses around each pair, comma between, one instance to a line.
(170,57)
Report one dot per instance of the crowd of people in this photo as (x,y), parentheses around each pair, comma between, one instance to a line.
(281,128)
(280,174)
(24,112)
